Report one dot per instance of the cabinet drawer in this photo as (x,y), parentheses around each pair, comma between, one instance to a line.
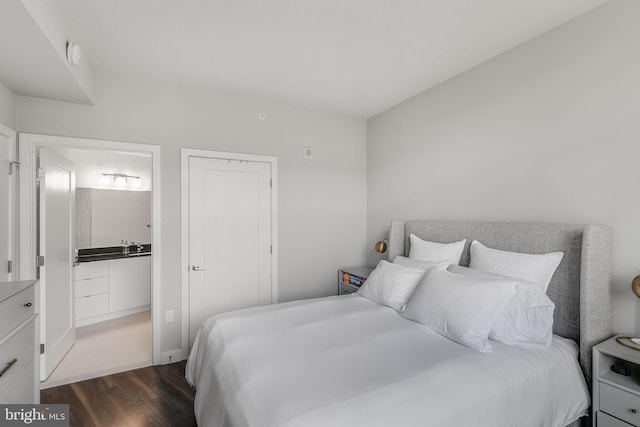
(88,270)
(86,287)
(346,289)
(93,305)
(21,390)
(620,404)
(605,420)
(20,347)
(13,310)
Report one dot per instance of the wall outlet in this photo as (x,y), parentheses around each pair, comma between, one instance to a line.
(171,356)
(169,316)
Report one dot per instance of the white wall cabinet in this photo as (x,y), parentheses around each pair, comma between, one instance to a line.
(112,288)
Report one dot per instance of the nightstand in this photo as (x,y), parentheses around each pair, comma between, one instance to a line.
(616,397)
(350,279)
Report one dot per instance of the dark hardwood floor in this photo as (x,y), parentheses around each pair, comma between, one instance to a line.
(153,396)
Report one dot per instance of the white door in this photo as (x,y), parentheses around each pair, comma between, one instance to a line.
(56,237)
(229,237)
(7,139)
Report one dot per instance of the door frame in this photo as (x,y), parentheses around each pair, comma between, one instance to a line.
(10,135)
(28,145)
(185,154)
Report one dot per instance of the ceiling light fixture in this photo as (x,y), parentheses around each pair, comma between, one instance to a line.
(74,53)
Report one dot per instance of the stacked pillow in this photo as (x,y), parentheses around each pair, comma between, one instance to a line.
(534,268)
(501,297)
(527,321)
(392,284)
(432,251)
(423,265)
(461,308)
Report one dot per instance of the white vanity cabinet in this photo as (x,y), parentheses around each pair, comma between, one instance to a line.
(92,289)
(112,288)
(129,283)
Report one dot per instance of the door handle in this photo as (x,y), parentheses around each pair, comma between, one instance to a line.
(196,267)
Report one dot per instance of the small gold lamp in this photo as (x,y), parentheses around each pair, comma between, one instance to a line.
(632,342)
(381,246)
(635,285)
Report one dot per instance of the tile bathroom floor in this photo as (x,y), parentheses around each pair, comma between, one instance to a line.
(105,348)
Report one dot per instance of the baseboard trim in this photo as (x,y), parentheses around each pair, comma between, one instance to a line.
(111,316)
(171,356)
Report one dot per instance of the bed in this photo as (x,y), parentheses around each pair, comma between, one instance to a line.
(346,361)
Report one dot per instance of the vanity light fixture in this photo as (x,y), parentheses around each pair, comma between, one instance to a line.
(121,180)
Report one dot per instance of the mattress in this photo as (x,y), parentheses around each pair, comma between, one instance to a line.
(346,361)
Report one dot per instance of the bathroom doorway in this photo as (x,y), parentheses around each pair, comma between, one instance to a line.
(115,280)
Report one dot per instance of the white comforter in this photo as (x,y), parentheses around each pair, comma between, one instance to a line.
(345,361)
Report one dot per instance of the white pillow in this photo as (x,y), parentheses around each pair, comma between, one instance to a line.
(391,284)
(432,251)
(534,268)
(423,265)
(459,307)
(527,321)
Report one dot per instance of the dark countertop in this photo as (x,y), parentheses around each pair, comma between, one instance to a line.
(113,252)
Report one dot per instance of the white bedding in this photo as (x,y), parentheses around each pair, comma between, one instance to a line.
(345,361)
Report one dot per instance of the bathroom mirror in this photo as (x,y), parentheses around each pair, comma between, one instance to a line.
(107,217)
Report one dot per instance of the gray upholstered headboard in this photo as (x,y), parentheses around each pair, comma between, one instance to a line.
(580,287)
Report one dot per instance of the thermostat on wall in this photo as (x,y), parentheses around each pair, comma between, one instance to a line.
(307,153)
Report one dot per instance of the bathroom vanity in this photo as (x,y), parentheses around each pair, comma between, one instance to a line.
(111,284)
(112,275)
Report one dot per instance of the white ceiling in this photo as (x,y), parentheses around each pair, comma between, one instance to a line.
(32,53)
(353,57)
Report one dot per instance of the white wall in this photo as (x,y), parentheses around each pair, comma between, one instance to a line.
(7,107)
(322,203)
(549,131)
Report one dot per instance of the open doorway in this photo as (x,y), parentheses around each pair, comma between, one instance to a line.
(114,287)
